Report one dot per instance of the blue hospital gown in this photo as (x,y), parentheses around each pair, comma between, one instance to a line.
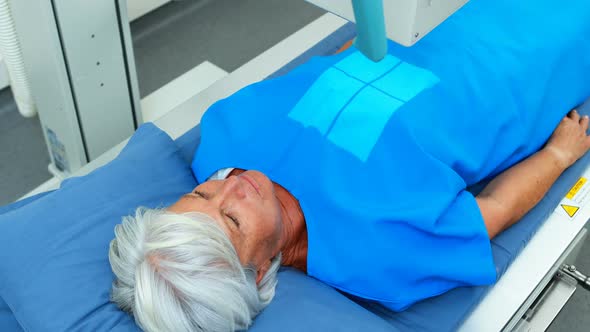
(380,154)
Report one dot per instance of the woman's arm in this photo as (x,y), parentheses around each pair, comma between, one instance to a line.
(518,189)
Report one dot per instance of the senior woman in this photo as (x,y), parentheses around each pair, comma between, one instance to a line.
(357,172)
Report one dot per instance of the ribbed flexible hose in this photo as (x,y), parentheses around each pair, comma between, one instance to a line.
(10,50)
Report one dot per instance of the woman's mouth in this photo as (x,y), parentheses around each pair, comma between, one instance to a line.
(251,182)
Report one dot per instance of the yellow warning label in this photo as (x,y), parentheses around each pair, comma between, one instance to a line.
(576,188)
(570,209)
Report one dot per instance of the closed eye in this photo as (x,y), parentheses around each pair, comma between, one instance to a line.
(206,196)
(201,194)
(233,219)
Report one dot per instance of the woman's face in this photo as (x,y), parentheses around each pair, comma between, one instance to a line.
(247,209)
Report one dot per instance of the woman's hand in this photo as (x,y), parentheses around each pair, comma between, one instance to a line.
(569,141)
(510,195)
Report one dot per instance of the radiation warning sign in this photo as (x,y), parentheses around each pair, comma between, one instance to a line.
(576,188)
(575,199)
(570,209)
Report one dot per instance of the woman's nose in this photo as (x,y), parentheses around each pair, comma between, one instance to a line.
(232,187)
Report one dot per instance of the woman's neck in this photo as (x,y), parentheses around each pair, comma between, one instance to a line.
(294,248)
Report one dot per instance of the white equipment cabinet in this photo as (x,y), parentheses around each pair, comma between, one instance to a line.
(406,21)
(79,59)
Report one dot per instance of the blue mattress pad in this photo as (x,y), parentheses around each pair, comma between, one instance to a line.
(442,313)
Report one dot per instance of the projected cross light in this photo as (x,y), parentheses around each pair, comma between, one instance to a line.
(351,102)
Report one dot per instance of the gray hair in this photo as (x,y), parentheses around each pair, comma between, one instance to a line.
(180,272)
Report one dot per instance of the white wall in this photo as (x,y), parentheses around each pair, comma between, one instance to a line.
(138,8)
(135,8)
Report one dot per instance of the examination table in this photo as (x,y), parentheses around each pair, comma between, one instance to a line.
(301,303)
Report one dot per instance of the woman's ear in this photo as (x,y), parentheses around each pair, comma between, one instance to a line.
(262,271)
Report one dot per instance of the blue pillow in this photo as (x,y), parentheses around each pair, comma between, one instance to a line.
(7,320)
(54,251)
